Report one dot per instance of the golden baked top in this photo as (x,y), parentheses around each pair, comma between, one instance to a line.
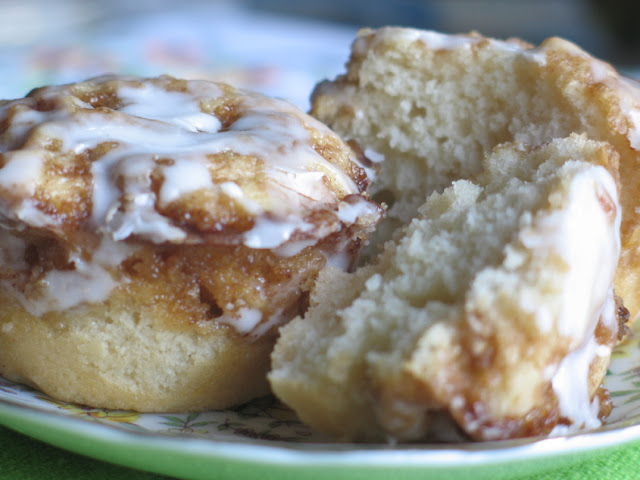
(168,160)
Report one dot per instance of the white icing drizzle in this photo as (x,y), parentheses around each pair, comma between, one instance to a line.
(155,124)
(353,208)
(571,386)
(440,41)
(273,321)
(291,248)
(432,39)
(21,173)
(373,156)
(182,179)
(170,107)
(634,132)
(245,320)
(586,236)
(232,190)
(20,176)
(156,131)
(90,281)
(588,239)
(268,233)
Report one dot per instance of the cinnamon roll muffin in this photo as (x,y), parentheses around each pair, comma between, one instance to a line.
(492,313)
(156,232)
(428,106)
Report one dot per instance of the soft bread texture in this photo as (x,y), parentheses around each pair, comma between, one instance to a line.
(432,105)
(159,341)
(132,353)
(155,232)
(493,308)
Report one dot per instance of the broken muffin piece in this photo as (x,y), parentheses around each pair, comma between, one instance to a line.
(493,309)
(428,107)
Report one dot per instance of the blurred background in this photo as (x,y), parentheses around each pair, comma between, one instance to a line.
(279,47)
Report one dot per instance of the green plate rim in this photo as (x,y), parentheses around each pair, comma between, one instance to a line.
(199,458)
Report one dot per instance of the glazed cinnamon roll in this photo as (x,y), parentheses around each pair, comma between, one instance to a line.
(156,232)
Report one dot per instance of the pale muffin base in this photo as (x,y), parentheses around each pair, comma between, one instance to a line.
(128,354)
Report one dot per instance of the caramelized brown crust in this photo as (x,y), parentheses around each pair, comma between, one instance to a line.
(48,127)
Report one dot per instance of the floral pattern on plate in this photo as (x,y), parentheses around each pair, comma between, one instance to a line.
(266,419)
(262,419)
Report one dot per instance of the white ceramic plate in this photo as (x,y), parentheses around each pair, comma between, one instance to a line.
(264,439)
